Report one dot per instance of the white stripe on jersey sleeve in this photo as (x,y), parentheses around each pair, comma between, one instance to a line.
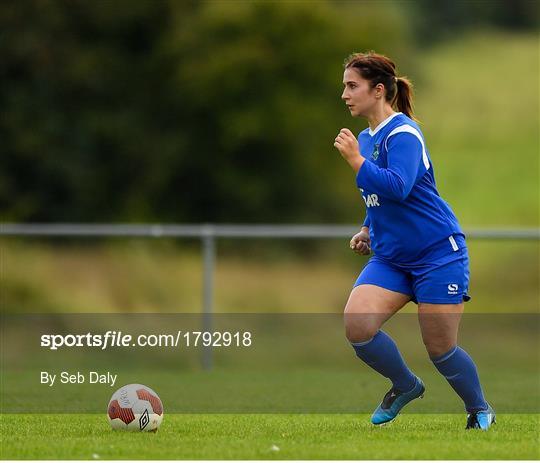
(410,129)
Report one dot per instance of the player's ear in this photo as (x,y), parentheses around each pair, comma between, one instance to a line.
(379,90)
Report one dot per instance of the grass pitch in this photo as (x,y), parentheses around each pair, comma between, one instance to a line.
(317,436)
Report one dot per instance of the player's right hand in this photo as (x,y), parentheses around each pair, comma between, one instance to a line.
(361,243)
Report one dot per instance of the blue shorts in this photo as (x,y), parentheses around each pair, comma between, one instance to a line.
(444,284)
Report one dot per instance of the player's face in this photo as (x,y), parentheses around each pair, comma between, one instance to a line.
(357,94)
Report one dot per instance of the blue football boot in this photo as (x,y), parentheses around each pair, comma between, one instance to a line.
(394,401)
(482,419)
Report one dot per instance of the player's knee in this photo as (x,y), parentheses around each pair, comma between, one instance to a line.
(360,327)
(360,334)
(438,347)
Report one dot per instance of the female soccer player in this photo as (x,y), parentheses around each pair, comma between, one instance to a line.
(419,249)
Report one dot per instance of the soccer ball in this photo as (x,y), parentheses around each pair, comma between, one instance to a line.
(135,408)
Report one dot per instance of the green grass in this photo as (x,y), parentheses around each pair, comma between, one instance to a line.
(484,147)
(157,276)
(270,437)
(316,391)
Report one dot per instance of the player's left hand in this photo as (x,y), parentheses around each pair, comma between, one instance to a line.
(347,145)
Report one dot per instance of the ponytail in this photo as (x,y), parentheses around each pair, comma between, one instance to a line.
(404,97)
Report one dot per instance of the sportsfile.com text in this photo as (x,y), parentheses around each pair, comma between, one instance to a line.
(111,339)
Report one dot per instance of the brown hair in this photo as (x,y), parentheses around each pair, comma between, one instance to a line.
(379,69)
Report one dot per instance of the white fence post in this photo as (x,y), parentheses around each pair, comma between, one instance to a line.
(209,260)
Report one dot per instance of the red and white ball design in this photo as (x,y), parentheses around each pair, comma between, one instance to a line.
(135,408)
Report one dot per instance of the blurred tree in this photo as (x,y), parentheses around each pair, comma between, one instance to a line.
(437,20)
(260,85)
(73,116)
(180,111)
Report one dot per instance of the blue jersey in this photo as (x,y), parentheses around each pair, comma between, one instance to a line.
(409,223)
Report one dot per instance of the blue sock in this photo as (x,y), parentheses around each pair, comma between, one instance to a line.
(382,354)
(460,371)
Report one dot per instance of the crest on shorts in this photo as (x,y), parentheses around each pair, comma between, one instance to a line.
(375,153)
